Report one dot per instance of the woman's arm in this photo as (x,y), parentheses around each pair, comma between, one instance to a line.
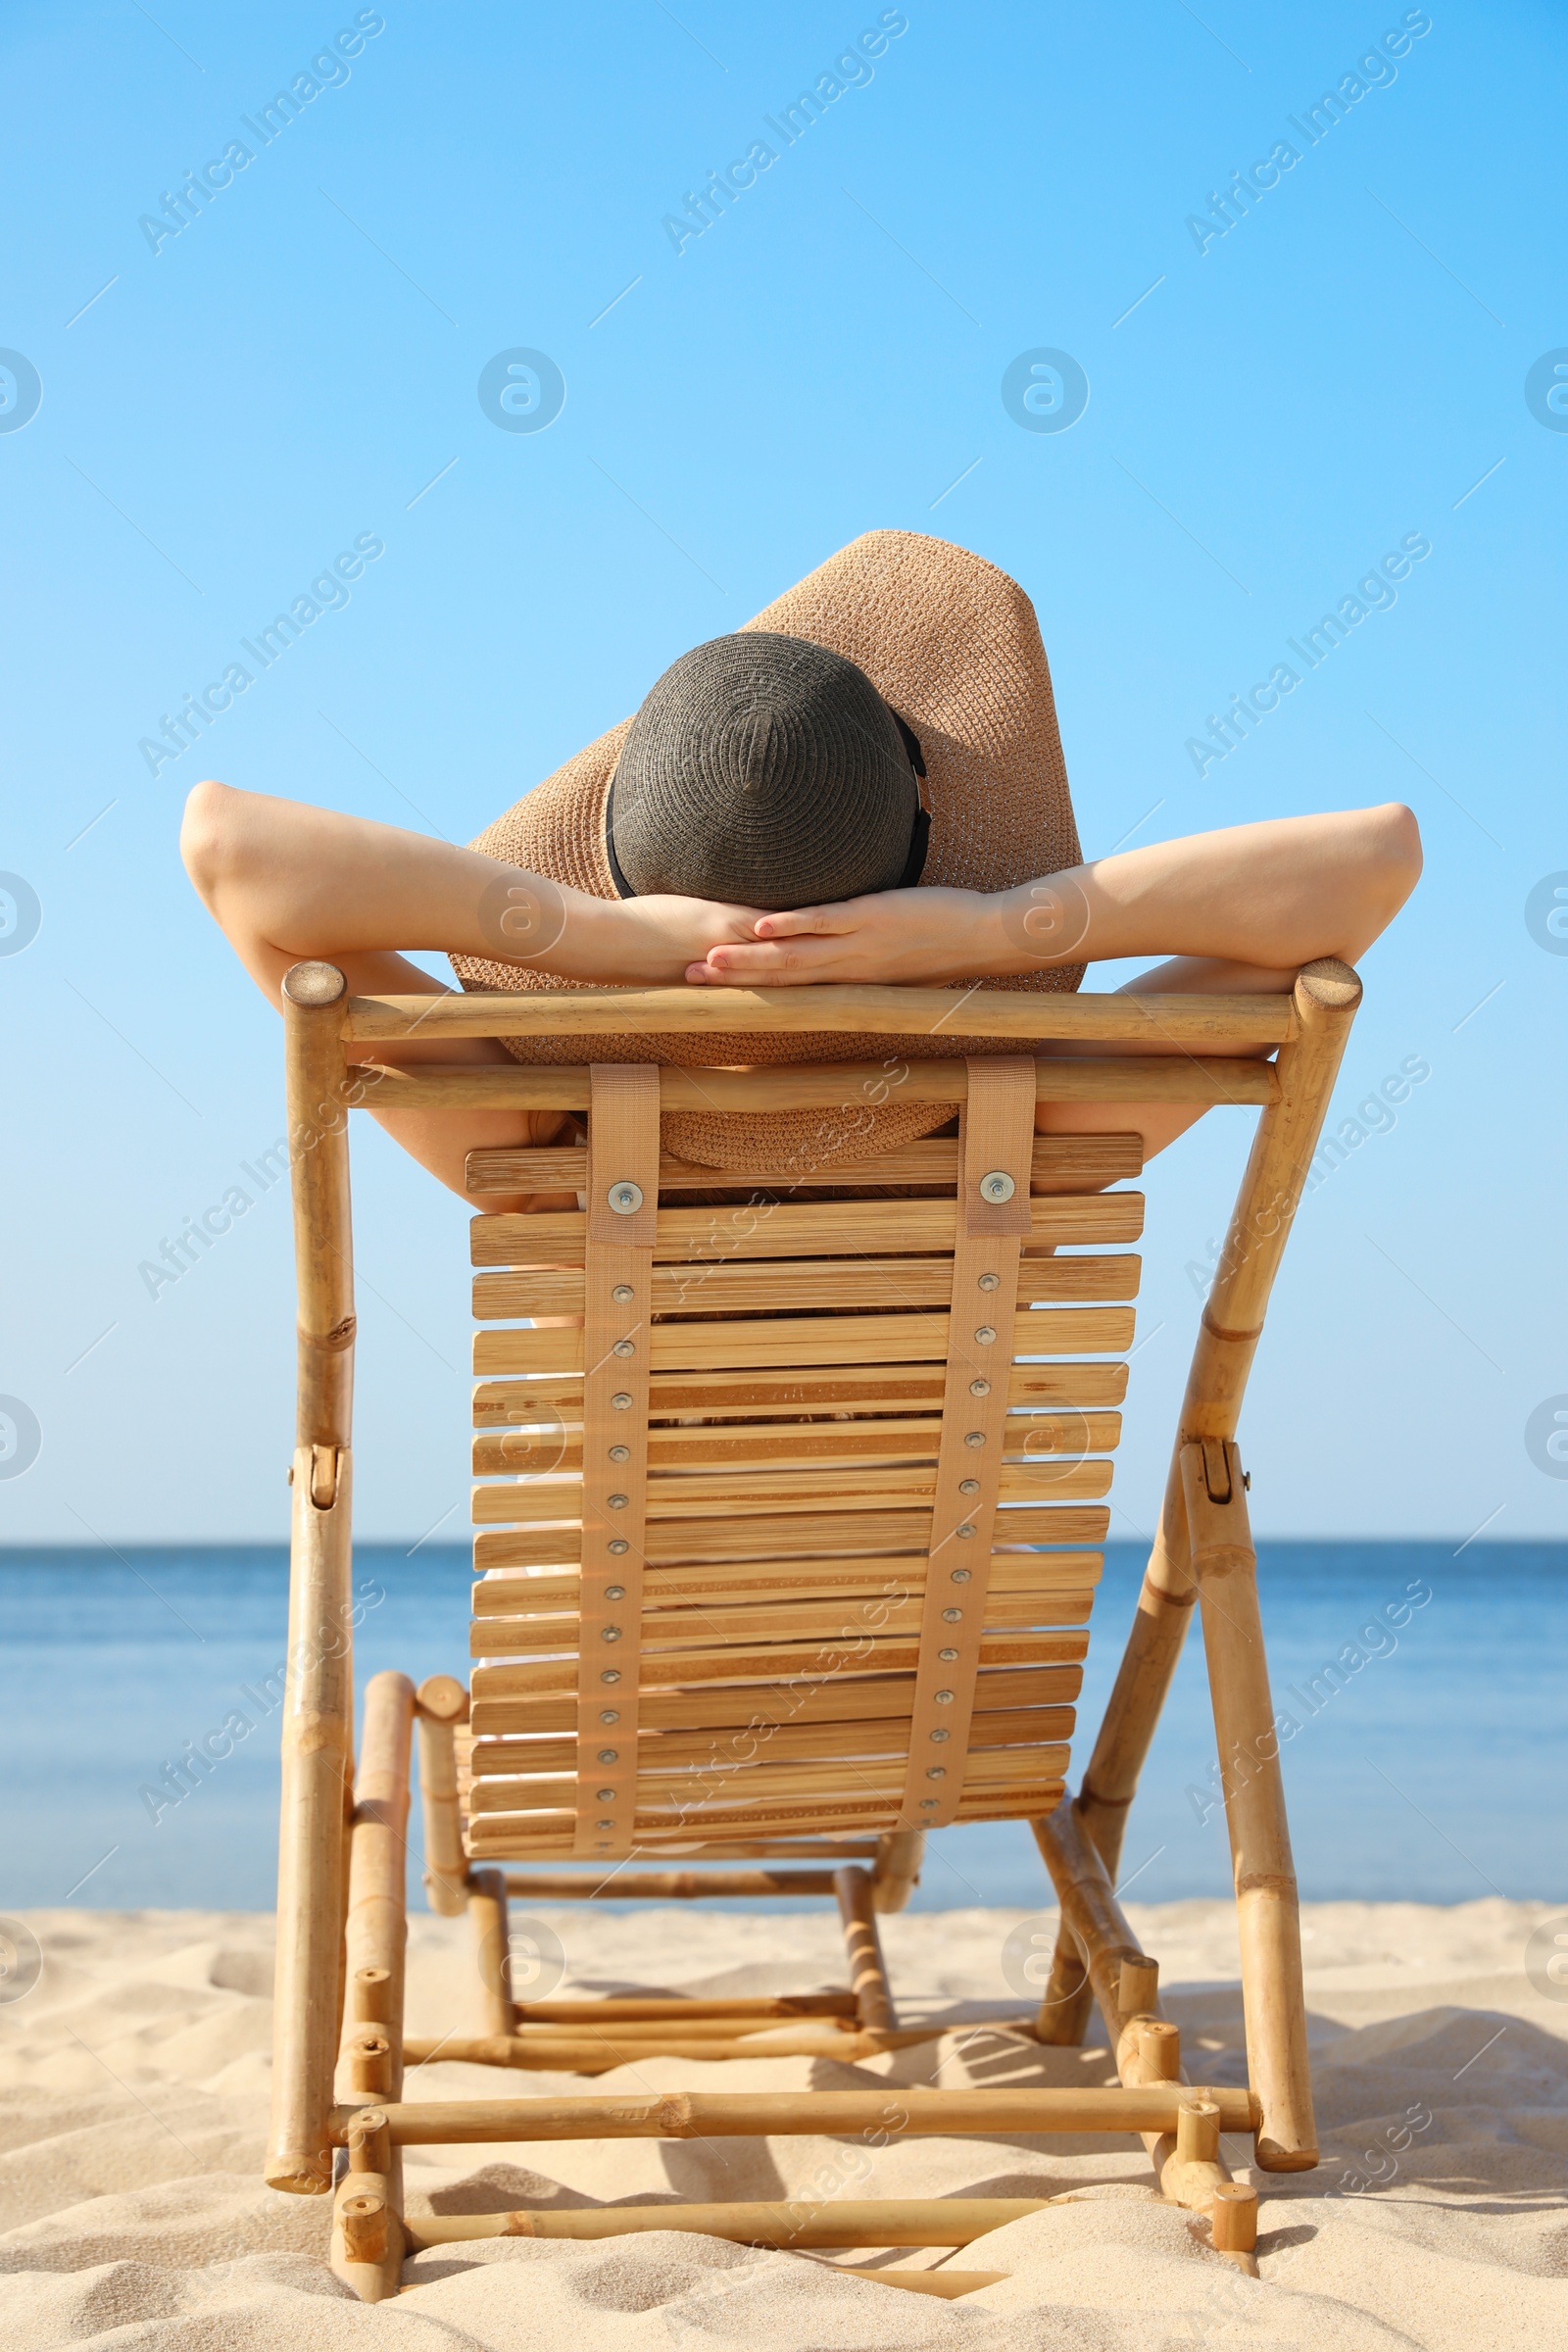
(1276,894)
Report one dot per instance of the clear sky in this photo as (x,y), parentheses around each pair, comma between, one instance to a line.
(1350,358)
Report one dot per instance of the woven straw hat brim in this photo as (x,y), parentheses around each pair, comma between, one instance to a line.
(953,643)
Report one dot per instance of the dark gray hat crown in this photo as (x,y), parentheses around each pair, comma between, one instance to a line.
(764,769)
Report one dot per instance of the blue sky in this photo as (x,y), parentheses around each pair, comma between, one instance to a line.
(1270,409)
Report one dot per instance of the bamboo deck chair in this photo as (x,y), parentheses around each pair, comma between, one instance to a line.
(787,1551)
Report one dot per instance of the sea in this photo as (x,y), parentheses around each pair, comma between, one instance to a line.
(1419,1687)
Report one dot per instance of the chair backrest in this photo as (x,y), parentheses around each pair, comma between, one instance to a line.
(790,1499)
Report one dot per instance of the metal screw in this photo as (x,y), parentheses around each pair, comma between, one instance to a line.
(617,1545)
(622,1403)
(936,1772)
(606,1797)
(967,1529)
(609,1755)
(942,1735)
(610,1633)
(610,1674)
(621,1454)
(624,1347)
(628,1198)
(608,1714)
(614,1592)
(997,1185)
(944,1697)
(604,1825)
(951,1617)
(928,1804)
(975,1437)
(946,1656)
(616,1502)
(984,1334)
(990,1282)
(623,1294)
(961,1576)
(977,1388)
(968,1485)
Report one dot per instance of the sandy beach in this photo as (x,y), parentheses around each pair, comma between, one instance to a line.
(135,2095)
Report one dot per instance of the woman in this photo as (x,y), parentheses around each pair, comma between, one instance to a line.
(864,784)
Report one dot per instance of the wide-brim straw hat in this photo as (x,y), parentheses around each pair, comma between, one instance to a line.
(953,646)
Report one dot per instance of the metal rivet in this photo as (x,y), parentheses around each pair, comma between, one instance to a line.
(951,1616)
(614,1592)
(936,1772)
(617,1545)
(610,1674)
(975,1437)
(608,1714)
(609,1755)
(984,1334)
(628,1198)
(610,1633)
(961,1576)
(977,1388)
(987,1282)
(942,1735)
(997,1185)
(624,1347)
(623,1294)
(621,1403)
(968,1485)
(621,1454)
(616,1502)
(944,1697)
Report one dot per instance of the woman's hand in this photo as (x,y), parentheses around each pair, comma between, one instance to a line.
(891,935)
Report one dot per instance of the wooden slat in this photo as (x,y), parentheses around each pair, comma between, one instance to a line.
(746,1395)
(517,1834)
(865,1653)
(759,1785)
(779,1535)
(800,1228)
(795,1285)
(819,1086)
(743,1494)
(1069,1161)
(771,1342)
(508,1592)
(876,1012)
(800,1444)
(712,1627)
(503,1707)
(676,1751)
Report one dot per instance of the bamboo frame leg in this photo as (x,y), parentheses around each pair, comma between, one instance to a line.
(1326,997)
(487,1909)
(895,1872)
(441,1704)
(319,1703)
(1226,1568)
(869,1975)
(367,2233)
(1126,1985)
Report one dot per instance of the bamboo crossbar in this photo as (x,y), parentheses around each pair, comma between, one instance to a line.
(844,2221)
(873,1011)
(759,2115)
(821,1086)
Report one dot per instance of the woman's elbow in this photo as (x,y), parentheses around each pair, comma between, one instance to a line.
(207,836)
(1402,858)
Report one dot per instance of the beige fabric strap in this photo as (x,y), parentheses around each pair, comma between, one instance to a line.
(996,1127)
(617,1276)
